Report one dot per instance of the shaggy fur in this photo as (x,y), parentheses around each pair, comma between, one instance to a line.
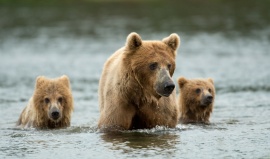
(49,94)
(129,95)
(193,94)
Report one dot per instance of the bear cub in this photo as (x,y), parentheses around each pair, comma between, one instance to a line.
(51,105)
(196,100)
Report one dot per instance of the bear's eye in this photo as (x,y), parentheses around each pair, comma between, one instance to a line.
(47,100)
(60,99)
(209,90)
(153,66)
(169,66)
(198,90)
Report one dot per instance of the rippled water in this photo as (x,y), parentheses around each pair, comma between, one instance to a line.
(228,41)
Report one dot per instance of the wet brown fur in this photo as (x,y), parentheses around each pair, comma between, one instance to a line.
(127,99)
(35,114)
(191,110)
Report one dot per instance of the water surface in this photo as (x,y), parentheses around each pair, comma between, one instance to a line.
(228,41)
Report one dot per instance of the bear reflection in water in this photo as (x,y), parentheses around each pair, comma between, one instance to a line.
(130,140)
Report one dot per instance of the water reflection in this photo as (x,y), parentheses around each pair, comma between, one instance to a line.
(128,141)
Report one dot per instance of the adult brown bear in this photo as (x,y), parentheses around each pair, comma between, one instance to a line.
(136,89)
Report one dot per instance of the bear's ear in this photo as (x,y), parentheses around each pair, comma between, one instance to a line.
(182,81)
(133,41)
(40,80)
(173,41)
(210,80)
(65,80)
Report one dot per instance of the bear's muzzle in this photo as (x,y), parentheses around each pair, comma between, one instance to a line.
(54,113)
(165,84)
(207,100)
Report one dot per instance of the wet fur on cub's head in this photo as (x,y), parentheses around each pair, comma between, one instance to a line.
(151,62)
(196,99)
(53,96)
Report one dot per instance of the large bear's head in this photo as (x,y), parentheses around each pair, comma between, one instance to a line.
(53,99)
(152,63)
(197,93)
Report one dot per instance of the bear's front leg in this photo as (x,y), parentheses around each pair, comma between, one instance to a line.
(116,118)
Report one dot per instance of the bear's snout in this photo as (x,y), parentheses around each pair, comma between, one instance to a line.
(207,100)
(54,113)
(165,84)
(168,88)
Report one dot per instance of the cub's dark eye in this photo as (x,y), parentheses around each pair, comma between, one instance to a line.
(153,66)
(47,100)
(169,66)
(60,99)
(209,90)
(198,90)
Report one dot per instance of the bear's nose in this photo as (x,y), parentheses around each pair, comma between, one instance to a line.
(209,98)
(169,88)
(55,114)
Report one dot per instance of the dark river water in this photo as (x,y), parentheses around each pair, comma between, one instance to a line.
(226,40)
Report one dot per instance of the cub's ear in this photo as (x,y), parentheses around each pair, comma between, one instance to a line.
(173,41)
(210,80)
(65,80)
(40,80)
(133,41)
(182,81)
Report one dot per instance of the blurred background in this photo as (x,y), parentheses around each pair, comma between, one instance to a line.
(227,40)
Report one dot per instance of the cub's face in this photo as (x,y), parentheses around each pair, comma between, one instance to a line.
(153,63)
(53,105)
(53,97)
(200,92)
